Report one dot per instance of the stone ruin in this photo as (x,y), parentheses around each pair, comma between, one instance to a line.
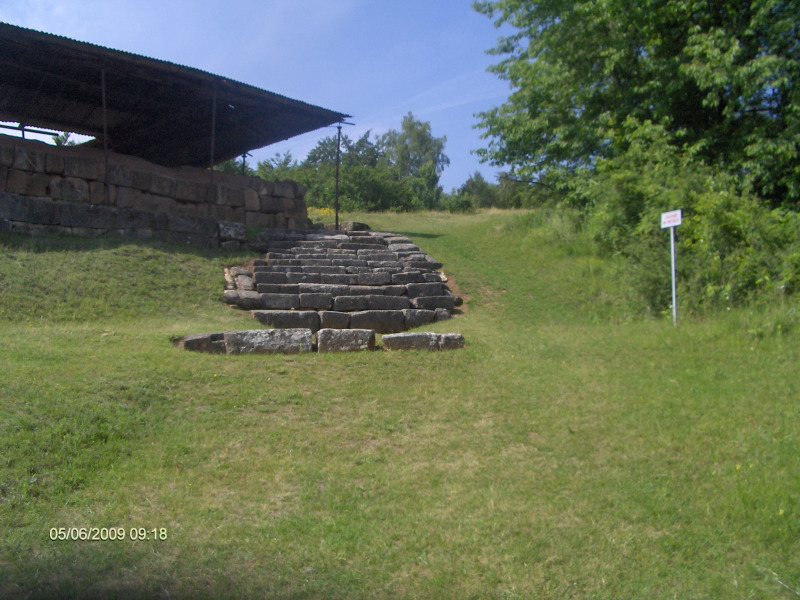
(343,287)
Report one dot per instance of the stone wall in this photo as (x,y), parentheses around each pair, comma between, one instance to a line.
(55,188)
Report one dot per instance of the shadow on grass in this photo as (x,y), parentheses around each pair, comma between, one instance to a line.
(418,235)
(44,243)
(86,575)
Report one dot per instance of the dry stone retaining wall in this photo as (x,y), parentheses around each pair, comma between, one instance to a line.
(46,188)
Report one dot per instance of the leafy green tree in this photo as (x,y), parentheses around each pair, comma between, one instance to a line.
(414,153)
(721,78)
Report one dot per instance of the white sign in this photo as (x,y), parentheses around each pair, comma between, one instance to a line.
(670,219)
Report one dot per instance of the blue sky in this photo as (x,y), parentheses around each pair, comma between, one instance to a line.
(373,59)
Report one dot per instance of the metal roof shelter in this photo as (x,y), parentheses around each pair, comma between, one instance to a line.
(169,114)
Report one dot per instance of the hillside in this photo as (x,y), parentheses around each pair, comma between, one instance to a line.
(574,448)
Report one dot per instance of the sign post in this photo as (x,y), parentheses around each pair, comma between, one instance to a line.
(672,219)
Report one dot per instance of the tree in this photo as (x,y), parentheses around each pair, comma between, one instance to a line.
(414,153)
(721,78)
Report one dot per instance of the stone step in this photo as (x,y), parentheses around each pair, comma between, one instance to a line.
(289,319)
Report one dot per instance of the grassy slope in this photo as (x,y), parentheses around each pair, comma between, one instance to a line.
(566,452)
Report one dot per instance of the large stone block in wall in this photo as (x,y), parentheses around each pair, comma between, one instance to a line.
(161,185)
(251,200)
(26,183)
(82,167)
(188,191)
(6,156)
(26,159)
(69,189)
(53,164)
(285,189)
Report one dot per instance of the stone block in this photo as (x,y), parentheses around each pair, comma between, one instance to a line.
(257,220)
(345,340)
(119,175)
(250,300)
(7,227)
(213,343)
(316,301)
(376,302)
(140,180)
(26,159)
(285,189)
(415,290)
(350,303)
(417,318)
(245,283)
(188,191)
(379,278)
(280,301)
(181,222)
(53,164)
(411,341)
(251,200)
(407,277)
(230,297)
(323,288)
(441,314)
(129,197)
(27,184)
(394,290)
(423,341)
(229,230)
(287,319)
(3,176)
(269,277)
(278,288)
(268,341)
(450,341)
(433,302)
(132,218)
(97,193)
(161,185)
(6,155)
(382,321)
(82,167)
(330,319)
(69,189)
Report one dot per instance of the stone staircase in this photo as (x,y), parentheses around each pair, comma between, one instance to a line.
(341,280)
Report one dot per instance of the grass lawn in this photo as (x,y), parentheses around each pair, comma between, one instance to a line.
(572,450)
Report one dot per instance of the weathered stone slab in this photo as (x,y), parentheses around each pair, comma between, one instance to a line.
(330,319)
(441,314)
(230,297)
(376,302)
(411,341)
(423,341)
(382,321)
(416,290)
(288,319)
(433,302)
(278,288)
(323,288)
(250,300)
(408,277)
(269,341)
(350,303)
(345,340)
(417,318)
(245,283)
(229,230)
(213,343)
(280,301)
(379,278)
(316,301)
(269,277)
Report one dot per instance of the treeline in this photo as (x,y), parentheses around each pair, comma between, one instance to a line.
(395,171)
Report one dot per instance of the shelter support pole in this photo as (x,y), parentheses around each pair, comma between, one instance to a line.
(336,197)
(105,134)
(213,144)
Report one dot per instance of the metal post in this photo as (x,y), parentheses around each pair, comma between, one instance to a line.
(674,291)
(213,143)
(105,134)
(336,197)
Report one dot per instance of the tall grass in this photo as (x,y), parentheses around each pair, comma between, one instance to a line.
(573,449)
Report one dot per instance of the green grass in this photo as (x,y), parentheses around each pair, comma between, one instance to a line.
(572,449)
